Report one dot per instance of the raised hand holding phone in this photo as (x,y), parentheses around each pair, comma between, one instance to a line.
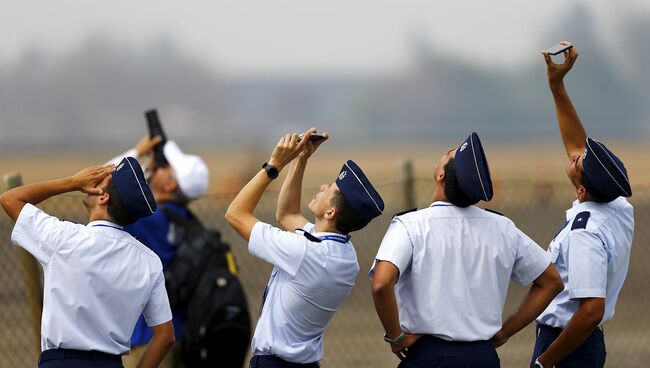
(556,72)
(315,140)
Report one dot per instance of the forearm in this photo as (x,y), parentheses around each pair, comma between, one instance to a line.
(579,328)
(156,351)
(240,212)
(15,199)
(291,191)
(386,307)
(537,299)
(572,131)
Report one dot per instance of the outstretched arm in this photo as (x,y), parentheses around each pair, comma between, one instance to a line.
(240,212)
(571,129)
(85,180)
(288,212)
(545,287)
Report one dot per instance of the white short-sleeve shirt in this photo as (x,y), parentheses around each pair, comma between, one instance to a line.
(309,282)
(98,280)
(592,255)
(454,268)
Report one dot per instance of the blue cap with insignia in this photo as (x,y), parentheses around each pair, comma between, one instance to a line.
(357,190)
(605,171)
(133,189)
(472,169)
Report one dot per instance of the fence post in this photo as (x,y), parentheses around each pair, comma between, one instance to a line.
(30,270)
(407,184)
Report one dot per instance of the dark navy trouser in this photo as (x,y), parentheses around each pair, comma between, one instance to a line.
(591,354)
(271,361)
(68,358)
(433,352)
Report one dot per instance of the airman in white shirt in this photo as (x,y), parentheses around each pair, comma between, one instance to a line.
(315,264)
(592,251)
(441,274)
(98,278)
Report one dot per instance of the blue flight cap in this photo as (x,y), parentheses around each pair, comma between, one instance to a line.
(133,189)
(357,190)
(605,171)
(472,170)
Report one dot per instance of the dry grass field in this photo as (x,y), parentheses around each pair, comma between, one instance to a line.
(229,170)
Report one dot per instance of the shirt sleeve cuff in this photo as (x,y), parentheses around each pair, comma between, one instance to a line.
(159,321)
(587,293)
(528,279)
(24,215)
(256,237)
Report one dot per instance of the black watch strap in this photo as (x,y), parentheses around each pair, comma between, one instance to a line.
(271,170)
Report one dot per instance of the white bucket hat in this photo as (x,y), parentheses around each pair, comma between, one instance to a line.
(191,171)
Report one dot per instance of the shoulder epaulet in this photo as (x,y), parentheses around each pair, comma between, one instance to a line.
(580,221)
(405,212)
(309,236)
(495,212)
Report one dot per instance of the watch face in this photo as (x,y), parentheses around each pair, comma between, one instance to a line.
(271,171)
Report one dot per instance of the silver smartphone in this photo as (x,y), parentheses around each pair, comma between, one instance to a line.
(556,49)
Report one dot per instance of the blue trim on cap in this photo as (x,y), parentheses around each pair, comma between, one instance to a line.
(364,188)
(140,186)
(471,141)
(605,168)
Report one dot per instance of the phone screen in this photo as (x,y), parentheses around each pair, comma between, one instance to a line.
(556,49)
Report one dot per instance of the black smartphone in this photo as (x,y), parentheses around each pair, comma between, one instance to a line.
(556,49)
(312,138)
(155,129)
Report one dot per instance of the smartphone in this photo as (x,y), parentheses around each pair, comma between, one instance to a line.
(155,129)
(556,49)
(312,138)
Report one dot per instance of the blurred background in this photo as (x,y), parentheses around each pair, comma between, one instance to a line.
(390,81)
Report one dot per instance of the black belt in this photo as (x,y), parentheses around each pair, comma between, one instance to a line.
(558,330)
(272,359)
(438,340)
(62,354)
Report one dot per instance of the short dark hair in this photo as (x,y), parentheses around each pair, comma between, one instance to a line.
(453,193)
(347,220)
(594,194)
(116,209)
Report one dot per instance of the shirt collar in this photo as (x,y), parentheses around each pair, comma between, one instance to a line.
(103,223)
(332,236)
(441,204)
(585,206)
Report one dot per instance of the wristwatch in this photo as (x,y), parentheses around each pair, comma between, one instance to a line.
(271,171)
(396,340)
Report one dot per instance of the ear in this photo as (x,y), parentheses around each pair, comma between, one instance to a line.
(581,193)
(330,214)
(103,199)
(440,174)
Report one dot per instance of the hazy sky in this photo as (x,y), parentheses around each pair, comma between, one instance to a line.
(328,36)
